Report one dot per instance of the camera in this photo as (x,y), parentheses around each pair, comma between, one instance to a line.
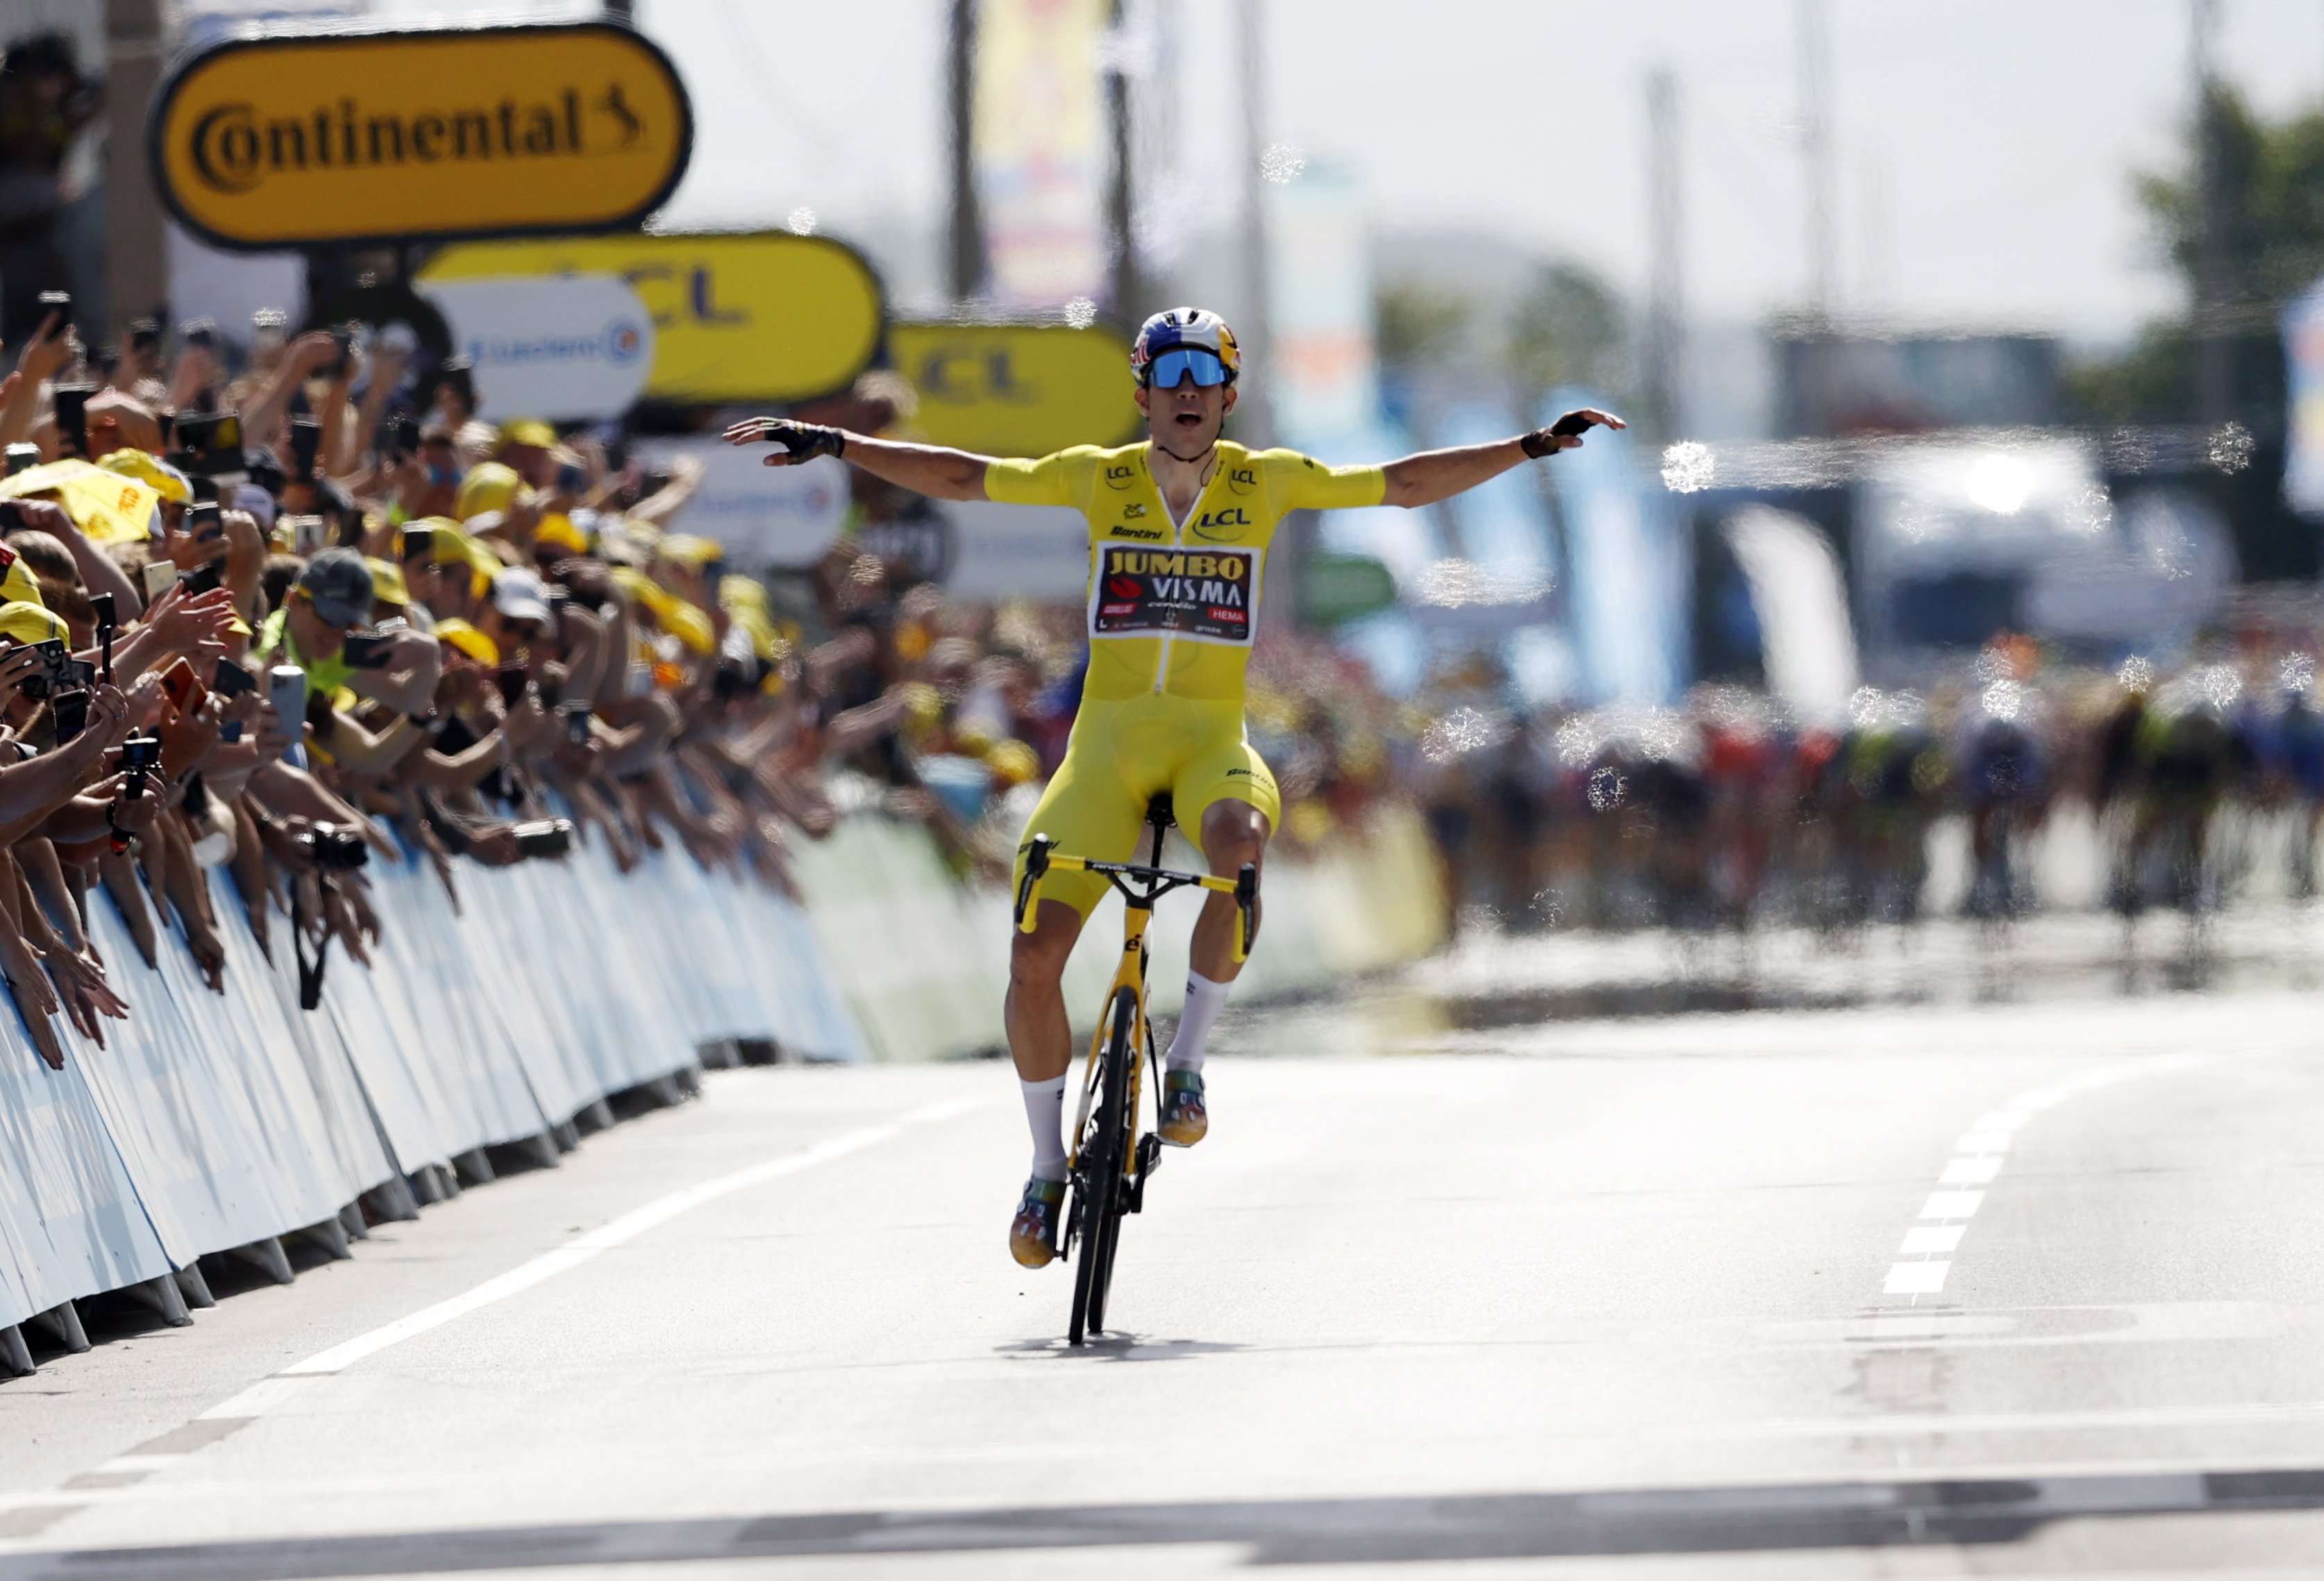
(140,756)
(337,849)
(550,836)
(365,649)
(210,443)
(50,672)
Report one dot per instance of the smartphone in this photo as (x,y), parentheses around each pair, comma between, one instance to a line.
(215,439)
(200,332)
(403,437)
(144,334)
(204,578)
(19,456)
(72,418)
(43,680)
(365,649)
(572,477)
(512,679)
(576,722)
(101,607)
(159,576)
(69,709)
(550,836)
(306,532)
(306,444)
(286,688)
(61,303)
(419,543)
(232,680)
(79,673)
(343,338)
(184,689)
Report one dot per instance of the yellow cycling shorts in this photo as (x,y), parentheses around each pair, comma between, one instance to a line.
(1122,754)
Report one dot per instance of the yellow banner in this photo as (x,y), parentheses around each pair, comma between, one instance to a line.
(297,140)
(1017,389)
(759,316)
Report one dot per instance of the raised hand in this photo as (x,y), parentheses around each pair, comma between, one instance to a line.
(1565,433)
(799,441)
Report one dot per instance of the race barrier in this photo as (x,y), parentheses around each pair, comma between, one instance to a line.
(223,1123)
(923,960)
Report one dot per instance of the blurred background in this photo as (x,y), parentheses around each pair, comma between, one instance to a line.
(1977,382)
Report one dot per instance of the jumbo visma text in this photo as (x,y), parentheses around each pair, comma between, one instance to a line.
(234,149)
(1155,562)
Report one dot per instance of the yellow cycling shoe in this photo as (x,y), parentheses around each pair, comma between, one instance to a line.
(1033,1232)
(1185,1118)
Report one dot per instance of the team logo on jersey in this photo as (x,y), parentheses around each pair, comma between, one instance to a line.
(1215,525)
(1241,480)
(1143,592)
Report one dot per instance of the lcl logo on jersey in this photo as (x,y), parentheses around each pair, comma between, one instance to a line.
(1121,476)
(1242,479)
(1221,524)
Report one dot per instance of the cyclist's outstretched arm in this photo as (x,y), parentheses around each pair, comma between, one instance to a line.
(1439,475)
(932,470)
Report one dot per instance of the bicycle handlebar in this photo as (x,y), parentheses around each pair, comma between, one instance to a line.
(1042,856)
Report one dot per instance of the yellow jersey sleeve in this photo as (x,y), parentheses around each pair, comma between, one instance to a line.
(1301,483)
(1059,480)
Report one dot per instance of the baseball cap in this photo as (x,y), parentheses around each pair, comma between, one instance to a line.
(520,594)
(468,640)
(490,485)
(528,430)
(338,584)
(29,622)
(387,584)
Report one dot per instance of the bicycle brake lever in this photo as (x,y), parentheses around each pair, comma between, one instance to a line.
(1247,903)
(1036,862)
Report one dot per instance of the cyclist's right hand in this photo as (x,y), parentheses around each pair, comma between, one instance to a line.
(800,441)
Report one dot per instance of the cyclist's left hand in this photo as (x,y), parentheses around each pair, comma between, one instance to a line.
(1565,433)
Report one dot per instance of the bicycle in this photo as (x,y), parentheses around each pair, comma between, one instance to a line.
(1105,1175)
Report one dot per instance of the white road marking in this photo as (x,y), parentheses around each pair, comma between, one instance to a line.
(1916,1279)
(626,1228)
(1952,1204)
(1923,1239)
(1977,1161)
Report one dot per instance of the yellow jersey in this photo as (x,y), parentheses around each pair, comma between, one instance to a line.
(1172,605)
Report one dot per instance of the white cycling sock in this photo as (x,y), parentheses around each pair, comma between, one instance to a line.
(1204,1000)
(1044,1112)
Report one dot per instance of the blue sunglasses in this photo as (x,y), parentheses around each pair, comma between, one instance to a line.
(1171,368)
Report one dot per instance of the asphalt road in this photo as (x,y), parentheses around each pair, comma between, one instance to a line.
(2023,1286)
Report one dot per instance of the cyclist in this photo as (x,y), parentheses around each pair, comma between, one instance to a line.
(1179,529)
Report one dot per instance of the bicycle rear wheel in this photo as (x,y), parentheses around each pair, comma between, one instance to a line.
(1098,1181)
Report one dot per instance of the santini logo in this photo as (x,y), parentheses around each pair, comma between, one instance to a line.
(234,149)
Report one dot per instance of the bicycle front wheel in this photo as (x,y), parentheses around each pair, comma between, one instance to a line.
(1098,1182)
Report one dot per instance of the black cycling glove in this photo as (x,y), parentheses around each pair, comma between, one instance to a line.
(803,441)
(1542,442)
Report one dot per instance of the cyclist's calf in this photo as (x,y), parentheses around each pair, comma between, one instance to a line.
(1234,835)
(1040,1037)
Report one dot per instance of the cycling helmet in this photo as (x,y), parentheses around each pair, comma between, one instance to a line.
(1184,329)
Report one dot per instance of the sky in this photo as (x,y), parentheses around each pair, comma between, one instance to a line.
(1984,148)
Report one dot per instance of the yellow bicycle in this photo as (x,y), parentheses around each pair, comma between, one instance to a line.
(1107,1176)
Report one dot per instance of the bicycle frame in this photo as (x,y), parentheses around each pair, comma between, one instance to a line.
(1141,887)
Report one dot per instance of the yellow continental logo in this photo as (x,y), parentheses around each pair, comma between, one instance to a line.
(1154,562)
(1019,388)
(741,316)
(297,140)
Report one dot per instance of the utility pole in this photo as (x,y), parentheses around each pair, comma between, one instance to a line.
(1816,153)
(965,255)
(1665,346)
(136,251)
(1121,248)
(2213,375)
(1254,416)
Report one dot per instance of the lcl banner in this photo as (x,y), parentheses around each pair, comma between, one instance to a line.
(309,139)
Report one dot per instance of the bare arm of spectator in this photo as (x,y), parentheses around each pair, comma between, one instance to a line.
(36,1001)
(657,508)
(197,371)
(80,984)
(44,353)
(262,418)
(407,682)
(248,869)
(387,366)
(858,726)
(98,574)
(119,876)
(358,751)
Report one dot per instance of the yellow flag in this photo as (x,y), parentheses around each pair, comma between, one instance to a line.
(106,505)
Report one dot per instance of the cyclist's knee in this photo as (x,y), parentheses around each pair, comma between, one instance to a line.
(1234,833)
(1036,960)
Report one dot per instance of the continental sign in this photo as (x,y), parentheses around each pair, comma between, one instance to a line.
(303,140)
(753,316)
(1017,389)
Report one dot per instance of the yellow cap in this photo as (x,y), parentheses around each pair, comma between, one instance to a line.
(30,623)
(151,471)
(528,430)
(686,549)
(490,485)
(469,641)
(557,528)
(17,584)
(685,621)
(387,582)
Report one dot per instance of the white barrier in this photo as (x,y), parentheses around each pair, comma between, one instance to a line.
(210,1122)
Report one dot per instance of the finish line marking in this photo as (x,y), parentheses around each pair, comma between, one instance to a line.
(618,1231)
(1924,1258)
